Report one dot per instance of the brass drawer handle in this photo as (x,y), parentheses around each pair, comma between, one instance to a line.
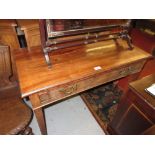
(43,96)
(127,71)
(69,90)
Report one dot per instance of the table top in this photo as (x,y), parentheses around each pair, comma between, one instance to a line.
(71,64)
(139,87)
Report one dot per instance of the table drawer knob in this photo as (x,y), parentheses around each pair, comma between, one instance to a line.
(69,90)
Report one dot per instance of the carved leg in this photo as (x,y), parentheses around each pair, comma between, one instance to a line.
(47,58)
(128,39)
(39,113)
(41,120)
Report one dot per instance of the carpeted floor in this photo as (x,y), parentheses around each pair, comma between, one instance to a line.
(104,100)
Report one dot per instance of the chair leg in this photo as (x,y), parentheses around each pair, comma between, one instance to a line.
(26,131)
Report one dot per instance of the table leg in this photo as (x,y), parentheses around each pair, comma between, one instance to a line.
(41,120)
(39,113)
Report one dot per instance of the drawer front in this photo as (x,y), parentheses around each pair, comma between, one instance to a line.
(33,37)
(34,41)
(59,92)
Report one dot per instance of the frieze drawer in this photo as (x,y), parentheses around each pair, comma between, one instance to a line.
(59,92)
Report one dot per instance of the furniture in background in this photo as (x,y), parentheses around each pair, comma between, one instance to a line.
(5,67)
(9,37)
(8,34)
(74,70)
(146,25)
(21,37)
(31,32)
(143,36)
(146,42)
(15,116)
(150,131)
(136,111)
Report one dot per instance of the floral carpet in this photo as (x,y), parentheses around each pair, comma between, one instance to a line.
(104,100)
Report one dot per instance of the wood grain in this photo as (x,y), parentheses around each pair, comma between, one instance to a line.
(14,115)
(39,114)
(73,71)
(9,37)
(5,67)
(72,64)
(139,88)
(31,31)
(136,111)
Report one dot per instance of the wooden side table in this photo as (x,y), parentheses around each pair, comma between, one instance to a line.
(73,71)
(136,112)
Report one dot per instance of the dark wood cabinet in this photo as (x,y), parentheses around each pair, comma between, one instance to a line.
(136,112)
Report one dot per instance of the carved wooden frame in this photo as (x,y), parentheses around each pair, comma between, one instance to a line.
(81,37)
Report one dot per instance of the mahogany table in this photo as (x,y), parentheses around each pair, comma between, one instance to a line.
(73,71)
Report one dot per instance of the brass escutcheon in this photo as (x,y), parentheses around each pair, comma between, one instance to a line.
(123,72)
(69,90)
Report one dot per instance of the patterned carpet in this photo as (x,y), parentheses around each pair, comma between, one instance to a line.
(104,100)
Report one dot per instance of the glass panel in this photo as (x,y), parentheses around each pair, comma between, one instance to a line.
(64,27)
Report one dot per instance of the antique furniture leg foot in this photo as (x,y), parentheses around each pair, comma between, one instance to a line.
(47,58)
(128,39)
(27,131)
